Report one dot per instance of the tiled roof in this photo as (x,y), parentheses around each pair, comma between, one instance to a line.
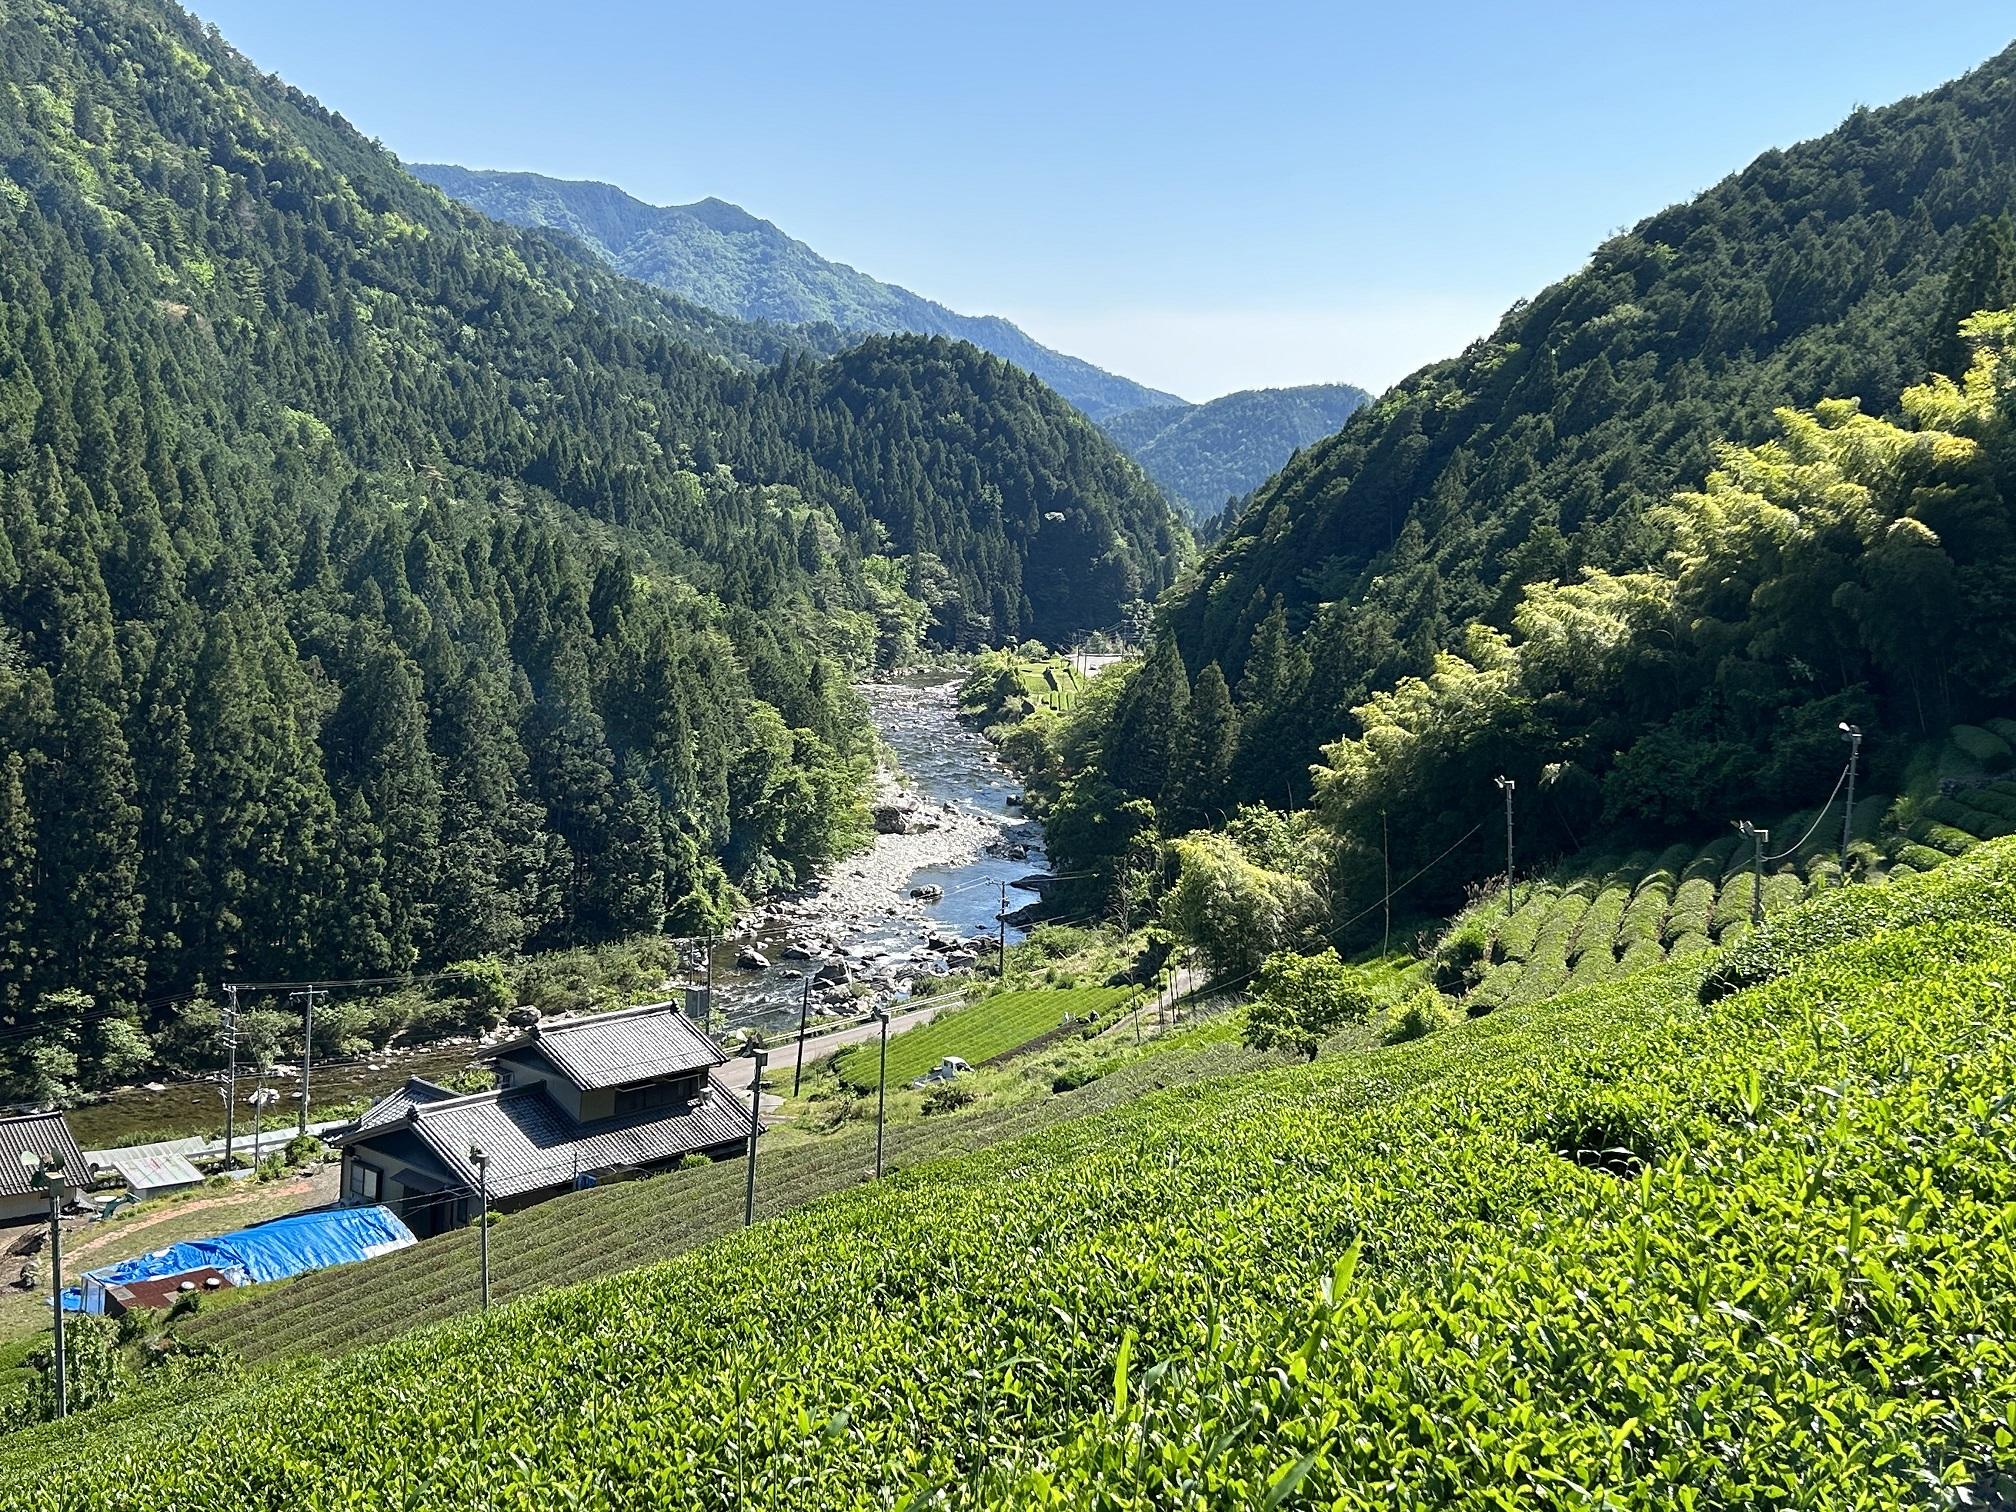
(533,1144)
(393,1107)
(629,1045)
(46,1134)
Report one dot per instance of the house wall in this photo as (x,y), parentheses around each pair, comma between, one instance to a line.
(410,1182)
(569,1098)
(28,1205)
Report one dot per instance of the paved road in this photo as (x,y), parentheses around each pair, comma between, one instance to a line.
(735,1075)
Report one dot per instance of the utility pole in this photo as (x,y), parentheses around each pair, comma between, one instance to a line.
(230,1071)
(307,1051)
(804,1016)
(755,1127)
(1002,921)
(482,1159)
(1507,785)
(1853,735)
(1386,851)
(1757,839)
(881,1089)
(709,948)
(47,1171)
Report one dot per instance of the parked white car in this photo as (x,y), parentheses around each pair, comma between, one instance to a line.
(944,1071)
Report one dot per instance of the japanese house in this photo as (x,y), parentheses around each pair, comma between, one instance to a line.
(576,1103)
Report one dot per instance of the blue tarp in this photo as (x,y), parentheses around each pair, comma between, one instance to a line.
(268,1252)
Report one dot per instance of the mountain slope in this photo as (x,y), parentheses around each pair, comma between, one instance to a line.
(381,586)
(1204,454)
(719,255)
(1818,271)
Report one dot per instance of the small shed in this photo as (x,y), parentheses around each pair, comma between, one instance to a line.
(155,1171)
(43,1134)
(122,1297)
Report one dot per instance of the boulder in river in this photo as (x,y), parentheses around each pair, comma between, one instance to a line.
(524,1016)
(928,893)
(798,950)
(833,973)
(749,958)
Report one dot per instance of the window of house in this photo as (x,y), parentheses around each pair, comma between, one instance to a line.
(658,1094)
(364,1182)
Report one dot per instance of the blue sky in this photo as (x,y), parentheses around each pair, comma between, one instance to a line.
(1204,198)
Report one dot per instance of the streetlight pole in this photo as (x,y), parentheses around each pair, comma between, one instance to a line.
(482,1159)
(1757,839)
(230,1073)
(47,1171)
(755,1127)
(1506,785)
(1853,735)
(804,1017)
(881,1088)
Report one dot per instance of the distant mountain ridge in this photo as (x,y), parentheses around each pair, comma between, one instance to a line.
(719,255)
(1203,455)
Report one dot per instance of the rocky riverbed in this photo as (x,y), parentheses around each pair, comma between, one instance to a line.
(923,900)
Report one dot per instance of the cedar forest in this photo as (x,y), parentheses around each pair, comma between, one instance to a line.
(367,568)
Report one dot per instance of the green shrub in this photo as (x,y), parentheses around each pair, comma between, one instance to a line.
(1920,857)
(1495,991)
(1641,955)
(1462,955)
(1422,1014)
(1597,932)
(1517,934)
(1687,946)
(1645,915)
(949,1097)
(1987,750)
(1944,837)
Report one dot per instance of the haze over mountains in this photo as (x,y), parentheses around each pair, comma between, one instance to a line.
(720,256)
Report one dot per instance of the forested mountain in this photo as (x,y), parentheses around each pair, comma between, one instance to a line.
(380,586)
(719,255)
(1206,454)
(1597,552)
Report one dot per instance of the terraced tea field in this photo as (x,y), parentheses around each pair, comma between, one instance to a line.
(1620,1247)
(1601,919)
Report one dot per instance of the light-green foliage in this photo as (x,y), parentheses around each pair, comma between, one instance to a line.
(1304,999)
(1516,935)
(977,1033)
(1234,911)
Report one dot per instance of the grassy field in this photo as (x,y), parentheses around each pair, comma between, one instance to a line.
(977,1033)
(1620,1247)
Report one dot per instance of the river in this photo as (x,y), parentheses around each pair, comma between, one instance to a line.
(975,850)
(972,847)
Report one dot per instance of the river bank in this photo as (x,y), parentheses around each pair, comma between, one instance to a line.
(924,900)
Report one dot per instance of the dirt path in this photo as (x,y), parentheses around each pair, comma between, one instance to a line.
(251,1203)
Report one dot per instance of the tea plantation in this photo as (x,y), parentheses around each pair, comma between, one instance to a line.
(1601,919)
(1618,1246)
